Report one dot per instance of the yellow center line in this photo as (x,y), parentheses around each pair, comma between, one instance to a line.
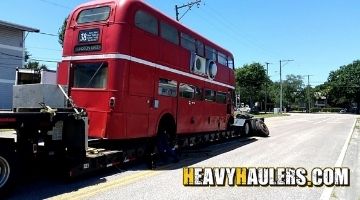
(102,187)
(88,191)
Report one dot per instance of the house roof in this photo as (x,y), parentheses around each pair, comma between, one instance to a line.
(19,27)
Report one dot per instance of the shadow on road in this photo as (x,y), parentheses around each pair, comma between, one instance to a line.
(42,185)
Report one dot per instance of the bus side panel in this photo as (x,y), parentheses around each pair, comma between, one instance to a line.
(166,104)
(63,73)
(141,83)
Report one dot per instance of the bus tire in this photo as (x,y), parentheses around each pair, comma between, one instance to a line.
(262,129)
(7,173)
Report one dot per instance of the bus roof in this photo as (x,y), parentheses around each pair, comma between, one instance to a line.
(126,4)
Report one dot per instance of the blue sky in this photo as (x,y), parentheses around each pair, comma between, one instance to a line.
(319,35)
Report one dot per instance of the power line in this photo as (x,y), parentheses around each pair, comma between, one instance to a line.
(55,4)
(43,48)
(48,34)
(230,27)
(40,60)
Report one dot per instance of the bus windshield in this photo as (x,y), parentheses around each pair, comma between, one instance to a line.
(90,75)
(94,15)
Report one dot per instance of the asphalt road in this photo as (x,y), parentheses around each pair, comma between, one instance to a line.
(300,140)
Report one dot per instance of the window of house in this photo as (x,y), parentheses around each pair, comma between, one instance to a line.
(146,22)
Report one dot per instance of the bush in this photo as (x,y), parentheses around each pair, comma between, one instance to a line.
(334,110)
(315,110)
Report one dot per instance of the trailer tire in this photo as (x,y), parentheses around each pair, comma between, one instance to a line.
(246,129)
(261,128)
(7,173)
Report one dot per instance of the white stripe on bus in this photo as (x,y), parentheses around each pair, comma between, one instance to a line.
(144,62)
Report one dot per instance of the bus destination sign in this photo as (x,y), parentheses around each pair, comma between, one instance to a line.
(89,35)
(87,48)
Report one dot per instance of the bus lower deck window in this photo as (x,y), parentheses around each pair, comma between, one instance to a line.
(210,95)
(90,75)
(167,87)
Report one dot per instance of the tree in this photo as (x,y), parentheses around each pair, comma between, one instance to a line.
(32,64)
(250,80)
(35,65)
(61,32)
(293,90)
(344,85)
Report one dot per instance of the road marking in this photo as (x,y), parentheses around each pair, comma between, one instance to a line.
(89,191)
(326,194)
(322,121)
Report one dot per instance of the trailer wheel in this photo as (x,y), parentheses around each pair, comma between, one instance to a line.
(165,143)
(7,173)
(247,129)
(262,129)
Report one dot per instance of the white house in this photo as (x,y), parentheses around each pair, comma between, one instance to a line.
(12,51)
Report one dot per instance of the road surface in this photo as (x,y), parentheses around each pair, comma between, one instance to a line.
(299,140)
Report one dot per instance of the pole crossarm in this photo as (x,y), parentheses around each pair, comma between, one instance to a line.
(188,6)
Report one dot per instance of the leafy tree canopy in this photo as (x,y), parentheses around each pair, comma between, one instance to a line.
(61,33)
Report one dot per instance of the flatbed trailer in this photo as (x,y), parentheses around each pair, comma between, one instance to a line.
(59,137)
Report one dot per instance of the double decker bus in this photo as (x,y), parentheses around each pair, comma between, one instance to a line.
(140,73)
(147,85)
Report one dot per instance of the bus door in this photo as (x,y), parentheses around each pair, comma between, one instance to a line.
(89,89)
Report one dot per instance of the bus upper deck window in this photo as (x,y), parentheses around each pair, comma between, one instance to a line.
(94,15)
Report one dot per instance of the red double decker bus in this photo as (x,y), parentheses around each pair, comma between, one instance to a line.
(140,73)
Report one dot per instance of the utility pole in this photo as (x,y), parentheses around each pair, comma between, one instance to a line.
(281,88)
(266,86)
(308,91)
(188,6)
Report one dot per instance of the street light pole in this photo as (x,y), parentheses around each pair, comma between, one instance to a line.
(267,75)
(308,90)
(281,88)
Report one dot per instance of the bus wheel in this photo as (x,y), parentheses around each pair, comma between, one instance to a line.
(7,173)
